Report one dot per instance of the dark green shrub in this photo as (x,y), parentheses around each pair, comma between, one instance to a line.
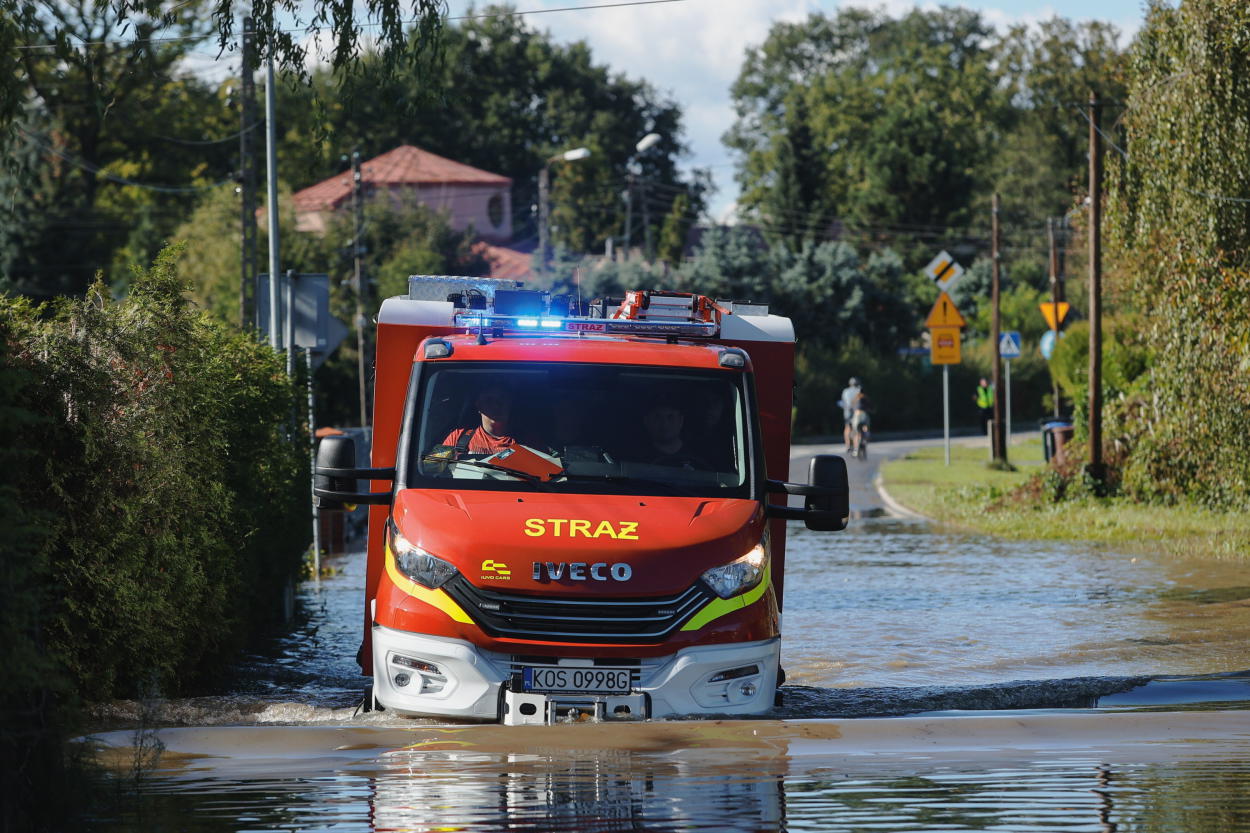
(175,486)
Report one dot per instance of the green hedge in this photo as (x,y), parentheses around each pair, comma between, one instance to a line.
(173,490)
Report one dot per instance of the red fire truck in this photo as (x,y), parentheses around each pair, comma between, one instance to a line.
(578,511)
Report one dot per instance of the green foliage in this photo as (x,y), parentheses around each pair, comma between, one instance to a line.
(34,720)
(507,97)
(407,34)
(673,234)
(902,110)
(1179,222)
(95,117)
(900,129)
(177,488)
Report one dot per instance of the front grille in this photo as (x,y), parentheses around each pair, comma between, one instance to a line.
(577,620)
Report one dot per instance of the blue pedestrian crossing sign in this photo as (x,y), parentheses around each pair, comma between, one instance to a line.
(1009,345)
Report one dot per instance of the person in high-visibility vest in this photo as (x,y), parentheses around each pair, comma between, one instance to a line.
(985,402)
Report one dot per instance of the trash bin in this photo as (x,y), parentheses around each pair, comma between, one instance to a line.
(1055,435)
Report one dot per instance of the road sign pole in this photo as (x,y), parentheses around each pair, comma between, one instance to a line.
(312,441)
(1007,439)
(946,410)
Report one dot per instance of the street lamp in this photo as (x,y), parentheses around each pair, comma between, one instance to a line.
(544,179)
(643,145)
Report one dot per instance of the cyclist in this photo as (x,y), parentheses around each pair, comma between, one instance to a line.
(848,410)
(860,423)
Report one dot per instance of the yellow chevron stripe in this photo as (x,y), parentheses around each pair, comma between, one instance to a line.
(434,598)
(719,607)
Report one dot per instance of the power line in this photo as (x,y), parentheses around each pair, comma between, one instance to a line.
(367,25)
(96,169)
(201,142)
(1192,191)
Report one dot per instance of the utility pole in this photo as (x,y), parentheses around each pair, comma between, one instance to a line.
(544,186)
(247,172)
(646,221)
(1095,292)
(362,341)
(544,190)
(629,215)
(1055,293)
(271,171)
(997,442)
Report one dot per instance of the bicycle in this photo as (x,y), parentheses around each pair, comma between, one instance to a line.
(861,441)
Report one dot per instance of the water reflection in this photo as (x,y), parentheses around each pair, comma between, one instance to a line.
(421,788)
(592,791)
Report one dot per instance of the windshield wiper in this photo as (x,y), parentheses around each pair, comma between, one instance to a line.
(668,488)
(482,464)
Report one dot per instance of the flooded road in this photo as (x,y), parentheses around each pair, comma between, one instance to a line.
(1133,721)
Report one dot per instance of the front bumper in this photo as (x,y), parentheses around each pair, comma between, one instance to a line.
(435,676)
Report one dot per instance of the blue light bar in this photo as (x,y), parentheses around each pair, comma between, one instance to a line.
(618,326)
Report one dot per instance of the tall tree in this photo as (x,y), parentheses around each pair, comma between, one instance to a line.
(1049,70)
(1178,211)
(902,111)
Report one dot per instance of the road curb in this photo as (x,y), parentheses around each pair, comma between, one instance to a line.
(893,506)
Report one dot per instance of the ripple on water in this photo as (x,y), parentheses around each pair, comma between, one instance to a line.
(892,602)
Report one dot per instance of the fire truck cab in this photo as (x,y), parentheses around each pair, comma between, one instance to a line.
(577,511)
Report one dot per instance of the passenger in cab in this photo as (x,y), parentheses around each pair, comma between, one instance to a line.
(663,420)
(710,433)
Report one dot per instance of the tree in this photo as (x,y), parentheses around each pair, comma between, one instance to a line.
(519,98)
(902,112)
(672,248)
(1178,212)
(1049,71)
(106,160)
(406,34)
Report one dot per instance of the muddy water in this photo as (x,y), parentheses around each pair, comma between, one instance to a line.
(1074,771)
(889,603)
(1127,667)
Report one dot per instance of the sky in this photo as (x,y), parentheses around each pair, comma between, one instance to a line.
(692,50)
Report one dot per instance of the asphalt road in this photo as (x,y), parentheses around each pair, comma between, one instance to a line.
(865,499)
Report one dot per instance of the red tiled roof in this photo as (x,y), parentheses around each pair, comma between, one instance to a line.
(405,165)
(504,262)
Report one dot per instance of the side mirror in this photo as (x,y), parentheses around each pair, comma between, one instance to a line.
(829,506)
(826,497)
(334,453)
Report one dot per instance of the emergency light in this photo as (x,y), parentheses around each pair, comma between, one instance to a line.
(616,326)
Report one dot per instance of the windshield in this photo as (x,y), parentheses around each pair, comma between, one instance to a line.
(614,429)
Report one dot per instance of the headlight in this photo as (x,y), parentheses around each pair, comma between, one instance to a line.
(417,564)
(739,576)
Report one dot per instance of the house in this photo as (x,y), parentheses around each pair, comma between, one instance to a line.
(468,195)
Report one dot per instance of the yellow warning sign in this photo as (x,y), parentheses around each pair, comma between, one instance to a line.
(944,314)
(1054,317)
(944,345)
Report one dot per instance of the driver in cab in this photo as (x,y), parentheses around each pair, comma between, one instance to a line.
(493,433)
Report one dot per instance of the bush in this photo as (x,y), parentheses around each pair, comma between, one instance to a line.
(175,489)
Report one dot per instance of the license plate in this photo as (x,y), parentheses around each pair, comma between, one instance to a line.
(581,680)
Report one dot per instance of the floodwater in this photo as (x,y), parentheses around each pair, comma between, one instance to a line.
(936,681)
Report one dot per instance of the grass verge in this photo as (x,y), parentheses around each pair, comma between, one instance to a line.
(970,495)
